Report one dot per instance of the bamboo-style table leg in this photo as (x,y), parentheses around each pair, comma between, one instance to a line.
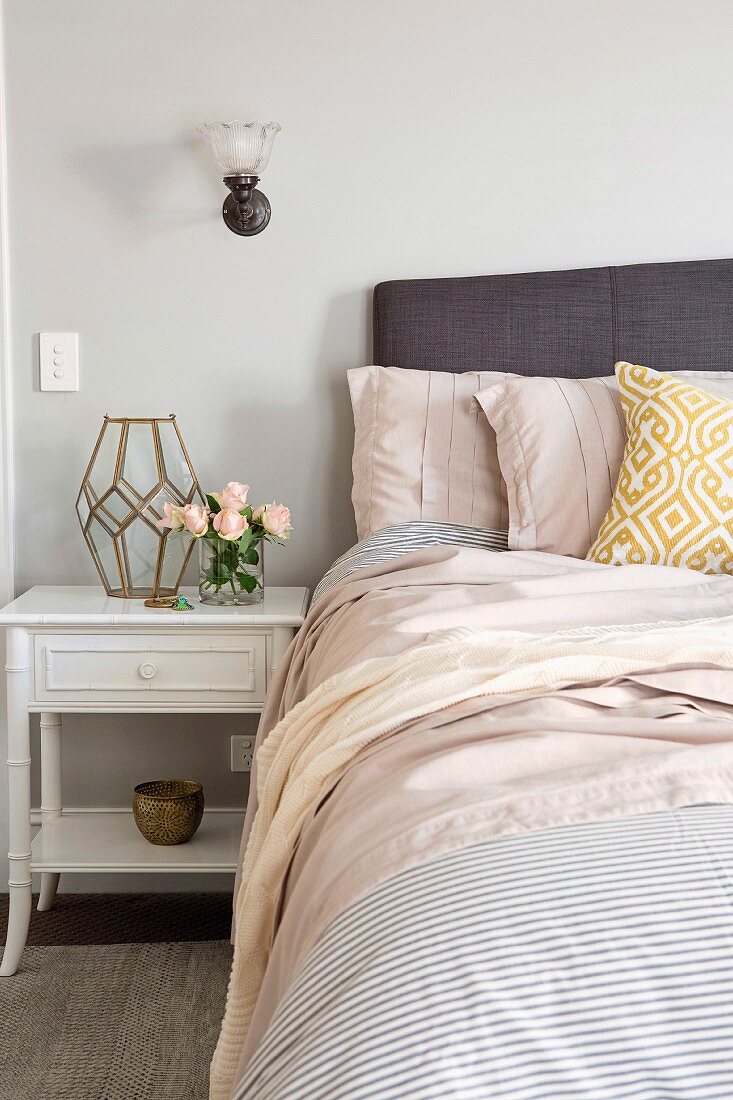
(17,668)
(51,804)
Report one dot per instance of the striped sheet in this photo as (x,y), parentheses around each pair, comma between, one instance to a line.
(588,962)
(392,542)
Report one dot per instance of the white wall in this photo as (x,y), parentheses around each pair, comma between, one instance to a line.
(419,139)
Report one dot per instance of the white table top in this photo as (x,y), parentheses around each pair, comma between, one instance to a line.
(90,605)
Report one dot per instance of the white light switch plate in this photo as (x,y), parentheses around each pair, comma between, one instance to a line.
(59,358)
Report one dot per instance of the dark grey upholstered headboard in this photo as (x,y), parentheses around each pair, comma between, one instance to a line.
(563,323)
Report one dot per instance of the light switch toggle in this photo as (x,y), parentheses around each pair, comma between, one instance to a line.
(59,360)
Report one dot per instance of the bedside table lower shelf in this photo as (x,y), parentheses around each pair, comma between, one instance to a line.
(111,842)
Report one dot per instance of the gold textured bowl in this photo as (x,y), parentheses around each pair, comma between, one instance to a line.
(168,811)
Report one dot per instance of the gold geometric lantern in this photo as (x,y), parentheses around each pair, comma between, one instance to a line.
(137,465)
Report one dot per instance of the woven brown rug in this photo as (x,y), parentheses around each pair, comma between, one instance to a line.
(112,1022)
(109,1008)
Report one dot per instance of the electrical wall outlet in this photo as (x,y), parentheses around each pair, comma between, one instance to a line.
(242,748)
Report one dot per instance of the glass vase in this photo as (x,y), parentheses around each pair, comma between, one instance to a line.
(228,575)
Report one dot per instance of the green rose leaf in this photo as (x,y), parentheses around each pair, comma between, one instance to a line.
(247,582)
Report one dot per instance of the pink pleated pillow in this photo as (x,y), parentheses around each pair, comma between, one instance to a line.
(423,450)
(560,443)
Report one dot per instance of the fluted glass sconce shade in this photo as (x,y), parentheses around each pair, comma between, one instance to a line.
(242,151)
(240,148)
(136,466)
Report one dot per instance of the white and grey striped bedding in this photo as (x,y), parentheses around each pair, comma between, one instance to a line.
(392,542)
(582,963)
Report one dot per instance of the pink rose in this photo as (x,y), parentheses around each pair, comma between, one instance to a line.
(233,495)
(275,518)
(195,520)
(173,517)
(229,524)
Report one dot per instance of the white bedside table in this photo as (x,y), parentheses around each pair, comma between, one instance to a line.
(76,649)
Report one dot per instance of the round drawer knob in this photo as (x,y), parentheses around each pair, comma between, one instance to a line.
(147,670)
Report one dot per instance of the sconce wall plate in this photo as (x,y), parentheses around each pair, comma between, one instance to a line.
(246,211)
(242,150)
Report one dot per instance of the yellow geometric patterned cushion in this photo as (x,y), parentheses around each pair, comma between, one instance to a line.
(673,503)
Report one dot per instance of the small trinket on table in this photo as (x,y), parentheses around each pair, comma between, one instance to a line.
(170,603)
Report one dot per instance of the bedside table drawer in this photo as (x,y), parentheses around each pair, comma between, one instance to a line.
(130,667)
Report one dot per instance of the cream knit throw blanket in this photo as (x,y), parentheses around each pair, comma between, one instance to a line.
(318,737)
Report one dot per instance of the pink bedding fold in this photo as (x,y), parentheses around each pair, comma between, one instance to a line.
(655,735)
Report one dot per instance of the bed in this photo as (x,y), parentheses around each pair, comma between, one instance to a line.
(489,846)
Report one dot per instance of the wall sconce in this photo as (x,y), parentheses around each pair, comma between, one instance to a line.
(242,150)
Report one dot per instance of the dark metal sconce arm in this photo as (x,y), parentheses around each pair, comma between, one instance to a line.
(246,211)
